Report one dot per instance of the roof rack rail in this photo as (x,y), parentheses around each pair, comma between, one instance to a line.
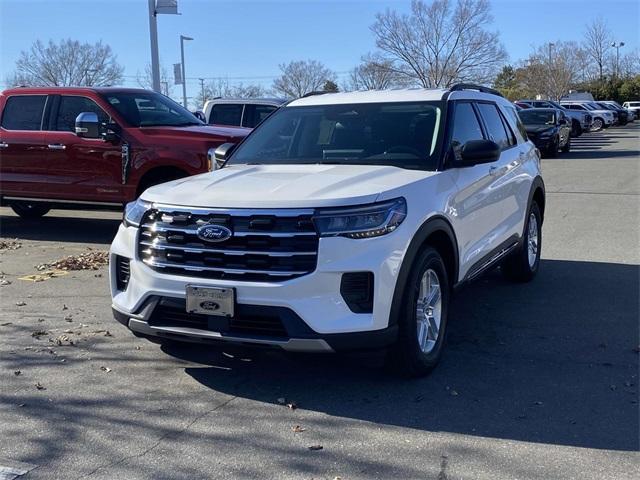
(315,92)
(471,86)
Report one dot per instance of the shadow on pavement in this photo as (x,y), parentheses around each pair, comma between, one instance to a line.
(60,228)
(553,361)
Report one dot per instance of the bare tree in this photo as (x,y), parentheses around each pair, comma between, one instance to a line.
(302,77)
(551,70)
(597,44)
(220,88)
(439,44)
(68,63)
(145,79)
(375,73)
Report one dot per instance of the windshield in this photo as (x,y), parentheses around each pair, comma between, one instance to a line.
(537,117)
(399,134)
(150,109)
(604,106)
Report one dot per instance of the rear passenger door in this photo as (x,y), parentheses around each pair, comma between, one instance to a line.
(81,168)
(23,168)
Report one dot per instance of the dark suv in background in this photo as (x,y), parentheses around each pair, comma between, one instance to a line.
(580,121)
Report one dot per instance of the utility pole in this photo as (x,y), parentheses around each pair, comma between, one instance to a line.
(202,88)
(184,77)
(156,7)
(155,57)
(617,47)
(550,79)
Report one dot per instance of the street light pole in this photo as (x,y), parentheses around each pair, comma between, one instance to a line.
(184,78)
(617,47)
(155,57)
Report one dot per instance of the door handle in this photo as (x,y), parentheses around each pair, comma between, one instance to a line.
(3,145)
(56,146)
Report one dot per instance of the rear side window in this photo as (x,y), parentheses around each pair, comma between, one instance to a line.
(23,112)
(495,127)
(72,106)
(255,114)
(466,126)
(226,114)
(514,119)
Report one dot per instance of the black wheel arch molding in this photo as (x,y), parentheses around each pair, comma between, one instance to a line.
(439,225)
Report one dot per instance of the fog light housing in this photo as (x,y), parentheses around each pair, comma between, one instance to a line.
(356,289)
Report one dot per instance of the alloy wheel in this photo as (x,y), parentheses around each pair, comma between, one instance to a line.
(532,240)
(428,311)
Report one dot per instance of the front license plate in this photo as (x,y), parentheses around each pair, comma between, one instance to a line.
(210,301)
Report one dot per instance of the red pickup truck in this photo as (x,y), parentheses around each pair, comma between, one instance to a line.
(76,147)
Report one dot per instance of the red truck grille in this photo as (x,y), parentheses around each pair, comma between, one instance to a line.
(270,246)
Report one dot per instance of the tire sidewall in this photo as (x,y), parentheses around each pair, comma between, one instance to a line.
(525,250)
(428,259)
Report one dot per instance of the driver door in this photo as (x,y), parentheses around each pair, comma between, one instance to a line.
(82,169)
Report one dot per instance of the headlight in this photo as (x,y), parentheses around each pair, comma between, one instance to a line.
(361,222)
(134,211)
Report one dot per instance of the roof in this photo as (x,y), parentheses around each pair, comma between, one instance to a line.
(53,89)
(257,101)
(372,96)
(460,91)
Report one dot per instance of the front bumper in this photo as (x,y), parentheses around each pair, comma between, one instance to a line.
(325,321)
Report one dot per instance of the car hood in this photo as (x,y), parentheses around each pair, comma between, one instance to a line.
(538,128)
(200,132)
(284,186)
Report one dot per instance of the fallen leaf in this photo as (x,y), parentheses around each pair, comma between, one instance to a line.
(64,306)
(39,333)
(10,244)
(91,260)
(6,324)
(63,340)
(17,372)
(453,393)
(292,405)
(21,303)
(39,386)
(297,429)
(537,403)
(4,283)
(315,447)
(105,369)
(108,334)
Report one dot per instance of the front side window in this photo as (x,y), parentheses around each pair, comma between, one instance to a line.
(514,118)
(466,126)
(150,109)
(493,122)
(405,135)
(23,112)
(226,114)
(72,106)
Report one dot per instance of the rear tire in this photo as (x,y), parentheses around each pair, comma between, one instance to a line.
(523,264)
(30,211)
(597,125)
(423,317)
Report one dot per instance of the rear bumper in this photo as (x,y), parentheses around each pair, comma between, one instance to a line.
(301,339)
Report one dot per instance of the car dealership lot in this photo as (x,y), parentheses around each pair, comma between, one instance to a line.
(539,380)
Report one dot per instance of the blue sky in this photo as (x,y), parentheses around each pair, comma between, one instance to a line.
(246,40)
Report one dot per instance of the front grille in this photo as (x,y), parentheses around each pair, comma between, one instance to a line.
(265,324)
(265,245)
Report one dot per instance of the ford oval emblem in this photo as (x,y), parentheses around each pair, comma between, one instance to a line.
(213,233)
(209,305)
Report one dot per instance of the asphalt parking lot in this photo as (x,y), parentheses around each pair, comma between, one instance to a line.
(540,381)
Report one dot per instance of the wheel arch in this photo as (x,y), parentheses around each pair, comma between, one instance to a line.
(438,233)
(537,194)
(159,174)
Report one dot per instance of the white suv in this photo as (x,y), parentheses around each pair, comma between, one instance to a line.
(344,221)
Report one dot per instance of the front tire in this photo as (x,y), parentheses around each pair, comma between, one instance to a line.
(30,211)
(576,128)
(567,146)
(423,318)
(552,150)
(523,264)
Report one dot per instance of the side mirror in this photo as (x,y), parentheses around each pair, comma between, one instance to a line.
(219,155)
(87,125)
(199,114)
(479,151)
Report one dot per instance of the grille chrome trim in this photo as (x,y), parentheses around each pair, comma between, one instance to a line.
(165,246)
(193,231)
(237,212)
(196,268)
